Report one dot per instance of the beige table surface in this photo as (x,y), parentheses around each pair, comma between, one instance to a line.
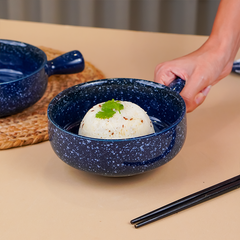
(43,198)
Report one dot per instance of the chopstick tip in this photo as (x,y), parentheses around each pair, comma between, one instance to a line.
(132,221)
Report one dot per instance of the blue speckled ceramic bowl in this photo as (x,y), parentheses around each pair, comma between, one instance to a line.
(121,157)
(24,72)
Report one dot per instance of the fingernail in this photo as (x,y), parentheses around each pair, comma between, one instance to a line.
(206,90)
(198,100)
(200,97)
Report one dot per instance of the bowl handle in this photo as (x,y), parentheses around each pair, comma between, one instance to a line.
(236,66)
(177,85)
(68,63)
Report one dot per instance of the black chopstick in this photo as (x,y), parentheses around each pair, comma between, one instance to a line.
(188,201)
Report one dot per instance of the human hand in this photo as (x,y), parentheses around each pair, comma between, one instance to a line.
(201,70)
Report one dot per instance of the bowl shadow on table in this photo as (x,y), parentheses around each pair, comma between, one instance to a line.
(119,193)
(59,174)
(63,173)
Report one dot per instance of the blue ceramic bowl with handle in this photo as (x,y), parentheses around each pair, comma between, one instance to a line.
(118,157)
(24,72)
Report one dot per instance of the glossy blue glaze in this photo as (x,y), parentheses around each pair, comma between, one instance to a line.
(119,157)
(24,72)
(177,85)
(71,62)
(236,66)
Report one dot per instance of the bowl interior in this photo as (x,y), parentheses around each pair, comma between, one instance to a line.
(165,107)
(19,60)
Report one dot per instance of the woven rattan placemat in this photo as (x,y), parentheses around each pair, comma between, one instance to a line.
(30,126)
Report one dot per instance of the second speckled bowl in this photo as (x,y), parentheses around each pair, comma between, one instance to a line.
(118,157)
(24,72)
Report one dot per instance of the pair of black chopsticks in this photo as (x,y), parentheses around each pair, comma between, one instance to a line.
(188,201)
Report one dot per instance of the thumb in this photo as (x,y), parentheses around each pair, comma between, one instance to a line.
(194,93)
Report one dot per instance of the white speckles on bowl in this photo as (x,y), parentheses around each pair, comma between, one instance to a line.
(118,157)
(24,72)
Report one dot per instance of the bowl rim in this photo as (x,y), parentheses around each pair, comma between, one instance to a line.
(23,44)
(63,93)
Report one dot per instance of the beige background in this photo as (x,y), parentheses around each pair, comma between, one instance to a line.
(43,198)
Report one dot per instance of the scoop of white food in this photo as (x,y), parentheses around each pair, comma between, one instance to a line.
(132,121)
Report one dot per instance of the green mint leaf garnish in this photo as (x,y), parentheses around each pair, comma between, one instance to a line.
(112,105)
(105,114)
(109,108)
